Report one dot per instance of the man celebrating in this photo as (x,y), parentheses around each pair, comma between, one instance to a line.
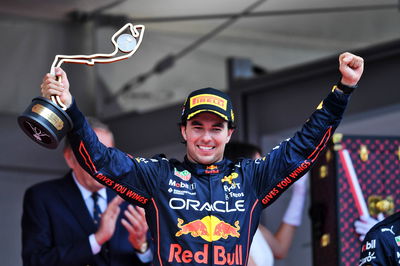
(205,210)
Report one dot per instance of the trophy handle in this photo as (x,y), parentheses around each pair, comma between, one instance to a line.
(55,98)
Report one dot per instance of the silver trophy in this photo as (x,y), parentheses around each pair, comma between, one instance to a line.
(45,120)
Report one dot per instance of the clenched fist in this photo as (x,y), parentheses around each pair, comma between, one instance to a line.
(351,67)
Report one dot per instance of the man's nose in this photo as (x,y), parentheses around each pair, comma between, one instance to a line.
(206,136)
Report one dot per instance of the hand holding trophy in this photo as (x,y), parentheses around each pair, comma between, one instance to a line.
(45,120)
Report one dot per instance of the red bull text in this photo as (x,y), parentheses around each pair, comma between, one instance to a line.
(220,256)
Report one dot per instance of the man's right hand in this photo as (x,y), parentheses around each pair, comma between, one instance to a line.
(50,86)
(108,221)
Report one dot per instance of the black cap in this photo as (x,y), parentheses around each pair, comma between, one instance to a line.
(208,100)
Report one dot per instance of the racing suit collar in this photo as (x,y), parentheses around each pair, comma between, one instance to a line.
(204,169)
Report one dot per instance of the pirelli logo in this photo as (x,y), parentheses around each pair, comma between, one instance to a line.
(208,99)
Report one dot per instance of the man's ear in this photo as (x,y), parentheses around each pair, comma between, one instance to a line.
(183,132)
(230,132)
(69,158)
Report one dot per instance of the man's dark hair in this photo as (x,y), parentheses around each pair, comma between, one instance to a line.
(235,150)
(94,123)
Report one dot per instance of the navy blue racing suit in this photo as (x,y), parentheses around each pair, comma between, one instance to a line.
(381,245)
(205,214)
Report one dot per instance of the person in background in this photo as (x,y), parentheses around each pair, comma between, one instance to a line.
(75,220)
(266,246)
(381,245)
(365,223)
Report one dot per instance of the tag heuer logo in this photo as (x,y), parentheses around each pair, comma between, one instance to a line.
(397,238)
(184,175)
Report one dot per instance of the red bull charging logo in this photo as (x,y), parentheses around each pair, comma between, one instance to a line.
(212,169)
(210,228)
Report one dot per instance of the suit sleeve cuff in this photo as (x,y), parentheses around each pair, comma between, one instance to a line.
(94,245)
(145,257)
(344,88)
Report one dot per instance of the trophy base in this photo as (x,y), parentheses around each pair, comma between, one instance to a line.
(45,122)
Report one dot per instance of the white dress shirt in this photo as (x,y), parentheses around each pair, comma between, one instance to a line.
(101,201)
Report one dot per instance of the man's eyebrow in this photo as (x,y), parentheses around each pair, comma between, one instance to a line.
(218,125)
(196,123)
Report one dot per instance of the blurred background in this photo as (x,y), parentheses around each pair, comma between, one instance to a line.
(276,58)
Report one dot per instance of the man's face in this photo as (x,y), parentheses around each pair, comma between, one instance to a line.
(81,175)
(206,135)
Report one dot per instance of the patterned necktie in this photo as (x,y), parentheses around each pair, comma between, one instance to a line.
(96,209)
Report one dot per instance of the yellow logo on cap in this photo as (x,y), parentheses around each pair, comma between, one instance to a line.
(208,99)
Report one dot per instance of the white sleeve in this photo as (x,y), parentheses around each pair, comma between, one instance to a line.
(294,211)
(260,251)
(145,257)
(94,245)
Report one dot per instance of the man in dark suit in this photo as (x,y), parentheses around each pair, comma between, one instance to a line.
(77,221)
